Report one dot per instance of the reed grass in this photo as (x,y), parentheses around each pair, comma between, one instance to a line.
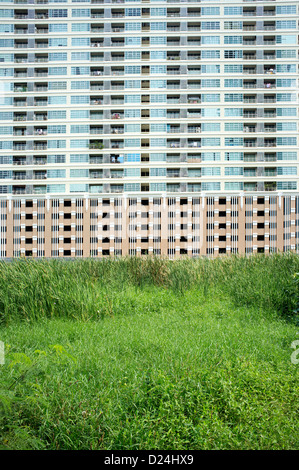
(147,353)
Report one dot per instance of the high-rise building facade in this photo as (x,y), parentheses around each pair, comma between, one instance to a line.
(148,127)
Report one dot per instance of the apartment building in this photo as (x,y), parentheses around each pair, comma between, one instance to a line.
(148,127)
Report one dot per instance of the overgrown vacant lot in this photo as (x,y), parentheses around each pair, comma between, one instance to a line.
(149,354)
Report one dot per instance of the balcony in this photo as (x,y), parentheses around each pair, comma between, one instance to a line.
(40,175)
(249,128)
(20,117)
(270,142)
(270,70)
(21,30)
(250,143)
(194,143)
(41,15)
(94,101)
(96,86)
(96,129)
(20,45)
(18,190)
(39,160)
(20,102)
(194,99)
(97,57)
(19,175)
(19,59)
(117,115)
(270,186)
(173,28)
(96,174)
(271,113)
(96,115)
(43,102)
(20,88)
(96,145)
(40,131)
(194,129)
(117,129)
(269,99)
(175,129)
(116,174)
(97,73)
(40,145)
(97,43)
(250,186)
(118,13)
(40,117)
(173,144)
(115,188)
(249,56)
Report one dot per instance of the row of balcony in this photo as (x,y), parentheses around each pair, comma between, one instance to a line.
(145,158)
(171,99)
(145,173)
(145,143)
(145,187)
(145,113)
(171,128)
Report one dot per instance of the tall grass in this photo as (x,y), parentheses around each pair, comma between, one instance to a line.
(147,353)
(82,289)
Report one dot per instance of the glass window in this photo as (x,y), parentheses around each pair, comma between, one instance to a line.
(210,127)
(58,28)
(57,129)
(79,129)
(58,13)
(56,173)
(210,39)
(80,12)
(210,54)
(80,27)
(210,142)
(79,158)
(57,57)
(57,100)
(80,42)
(210,156)
(79,114)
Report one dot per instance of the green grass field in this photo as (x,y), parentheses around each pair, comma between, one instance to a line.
(149,354)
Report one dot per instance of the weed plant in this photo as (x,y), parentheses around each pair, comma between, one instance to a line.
(147,353)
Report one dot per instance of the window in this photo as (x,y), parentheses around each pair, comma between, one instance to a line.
(210,127)
(235,112)
(210,142)
(80,12)
(57,85)
(233,54)
(57,56)
(210,25)
(286,24)
(57,13)
(57,42)
(57,28)
(233,39)
(79,114)
(234,156)
(57,70)
(58,129)
(80,27)
(56,173)
(232,11)
(210,83)
(232,68)
(57,100)
(210,39)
